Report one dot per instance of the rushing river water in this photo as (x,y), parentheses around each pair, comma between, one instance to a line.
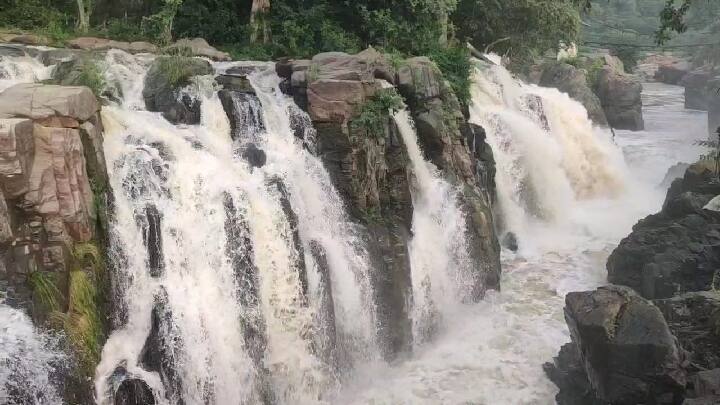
(199,228)
(492,352)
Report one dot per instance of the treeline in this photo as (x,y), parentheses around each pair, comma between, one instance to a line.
(271,28)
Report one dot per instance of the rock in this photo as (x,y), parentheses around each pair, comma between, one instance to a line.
(39,101)
(235,83)
(711,400)
(163,96)
(626,347)
(254,156)
(697,91)
(134,391)
(694,318)
(714,109)
(706,383)
(620,97)
(103,44)
(16,155)
(676,250)
(27,39)
(510,242)
(567,371)
(11,51)
(671,71)
(570,80)
(200,47)
(676,171)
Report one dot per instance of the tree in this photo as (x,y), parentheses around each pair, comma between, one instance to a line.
(259,25)
(85,8)
(160,25)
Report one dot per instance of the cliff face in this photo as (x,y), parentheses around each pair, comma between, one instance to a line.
(52,206)
(371,169)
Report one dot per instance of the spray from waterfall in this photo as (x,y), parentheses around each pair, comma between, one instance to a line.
(548,154)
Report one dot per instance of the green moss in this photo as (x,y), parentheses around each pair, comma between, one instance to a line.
(375,113)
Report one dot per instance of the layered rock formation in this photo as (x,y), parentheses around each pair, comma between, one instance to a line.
(370,166)
(53,180)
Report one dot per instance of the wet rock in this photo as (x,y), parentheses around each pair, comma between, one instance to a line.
(510,242)
(694,318)
(39,101)
(16,155)
(151,225)
(620,97)
(326,337)
(567,371)
(254,156)
(572,81)
(162,95)
(11,51)
(626,347)
(134,391)
(676,171)
(235,83)
(161,347)
(675,250)
(698,93)
(245,114)
(714,109)
(200,47)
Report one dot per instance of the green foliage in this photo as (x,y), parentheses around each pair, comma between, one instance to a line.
(29,14)
(122,29)
(593,72)
(177,69)
(45,290)
(159,26)
(454,63)
(374,114)
(92,76)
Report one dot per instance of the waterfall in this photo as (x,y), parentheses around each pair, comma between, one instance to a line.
(548,154)
(22,69)
(29,361)
(239,276)
(439,259)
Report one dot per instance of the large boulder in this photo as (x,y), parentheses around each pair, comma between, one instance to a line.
(620,97)
(698,93)
(677,249)
(573,81)
(671,70)
(39,101)
(163,88)
(714,108)
(626,347)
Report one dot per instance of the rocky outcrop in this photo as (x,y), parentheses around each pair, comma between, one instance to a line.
(624,347)
(104,44)
(163,88)
(698,88)
(52,179)
(573,81)
(370,167)
(714,110)
(199,47)
(675,250)
(620,97)
(671,70)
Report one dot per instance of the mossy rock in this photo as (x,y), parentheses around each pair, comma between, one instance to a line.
(166,77)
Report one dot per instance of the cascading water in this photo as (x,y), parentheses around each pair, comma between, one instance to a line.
(548,154)
(274,314)
(30,361)
(22,69)
(439,259)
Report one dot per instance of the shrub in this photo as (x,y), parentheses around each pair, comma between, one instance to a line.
(91,75)
(374,114)
(454,63)
(178,69)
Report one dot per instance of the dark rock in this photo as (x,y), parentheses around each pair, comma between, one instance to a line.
(620,97)
(714,108)
(161,347)
(694,318)
(625,346)
(567,371)
(510,241)
(134,391)
(674,172)
(163,96)
(239,83)
(676,250)
(245,114)
(11,51)
(254,156)
(326,338)
(571,80)
(672,71)
(150,223)
(711,400)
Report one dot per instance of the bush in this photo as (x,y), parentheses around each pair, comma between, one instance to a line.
(91,76)
(124,30)
(454,63)
(373,115)
(29,15)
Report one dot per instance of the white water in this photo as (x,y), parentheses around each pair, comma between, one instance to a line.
(22,69)
(188,173)
(439,260)
(492,352)
(29,361)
